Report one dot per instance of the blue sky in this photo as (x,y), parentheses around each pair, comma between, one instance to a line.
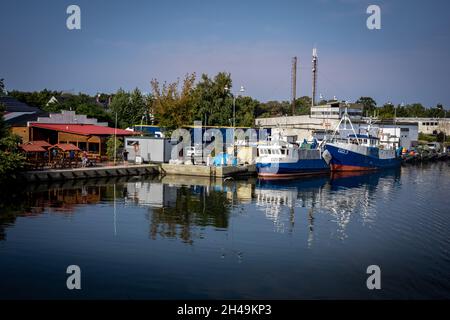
(127,43)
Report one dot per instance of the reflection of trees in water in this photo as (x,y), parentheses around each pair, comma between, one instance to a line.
(185,217)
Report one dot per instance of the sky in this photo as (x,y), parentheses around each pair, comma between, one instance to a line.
(125,44)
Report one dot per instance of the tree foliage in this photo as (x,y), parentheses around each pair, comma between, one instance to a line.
(173,107)
(11,160)
(2,87)
(369,105)
(130,107)
(113,144)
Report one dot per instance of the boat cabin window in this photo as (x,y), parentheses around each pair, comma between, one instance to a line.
(283,151)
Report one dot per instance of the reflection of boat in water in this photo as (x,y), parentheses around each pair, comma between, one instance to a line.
(274,195)
(349,179)
(344,197)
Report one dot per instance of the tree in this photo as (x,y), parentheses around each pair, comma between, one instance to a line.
(94,111)
(245,111)
(303,105)
(138,107)
(386,111)
(173,108)
(113,144)
(130,107)
(11,160)
(369,105)
(213,105)
(2,87)
(273,109)
(35,99)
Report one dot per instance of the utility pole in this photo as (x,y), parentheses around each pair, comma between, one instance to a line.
(314,79)
(293,83)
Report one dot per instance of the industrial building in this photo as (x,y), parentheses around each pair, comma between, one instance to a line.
(298,128)
(430,125)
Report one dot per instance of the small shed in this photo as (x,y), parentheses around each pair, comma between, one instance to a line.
(64,155)
(148,149)
(36,156)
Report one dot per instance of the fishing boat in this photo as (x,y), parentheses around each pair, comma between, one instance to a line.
(355,152)
(280,159)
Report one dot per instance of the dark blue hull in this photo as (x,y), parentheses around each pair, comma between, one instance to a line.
(289,169)
(346,160)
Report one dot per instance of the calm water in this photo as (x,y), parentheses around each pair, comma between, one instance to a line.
(184,237)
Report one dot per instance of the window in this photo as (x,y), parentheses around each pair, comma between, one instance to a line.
(132,142)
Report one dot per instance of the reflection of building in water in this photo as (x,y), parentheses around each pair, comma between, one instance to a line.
(153,194)
(36,199)
(181,211)
(344,198)
(272,203)
(278,199)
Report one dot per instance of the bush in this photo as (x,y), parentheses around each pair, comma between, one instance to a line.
(110,147)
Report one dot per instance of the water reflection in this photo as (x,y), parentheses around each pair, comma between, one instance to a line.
(182,207)
(341,196)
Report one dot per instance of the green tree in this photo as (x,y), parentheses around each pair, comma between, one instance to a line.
(387,111)
(274,109)
(37,99)
(11,160)
(94,111)
(369,105)
(130,107)
(246,111)
(138,107)
(113,144)
(303,106)
(2,87)
(213,105)
(173,108)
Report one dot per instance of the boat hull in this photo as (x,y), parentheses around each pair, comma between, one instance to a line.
(292,169)
(343,159)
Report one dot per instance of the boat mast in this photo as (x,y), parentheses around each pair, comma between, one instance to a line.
(345,118)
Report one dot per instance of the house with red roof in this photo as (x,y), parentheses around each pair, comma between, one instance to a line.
(78,130)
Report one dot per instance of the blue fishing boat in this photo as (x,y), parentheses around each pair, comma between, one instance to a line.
(356,152)
(281,159)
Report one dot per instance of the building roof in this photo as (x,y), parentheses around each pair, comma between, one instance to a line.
(40,143)
(66,147)
(31,148)
(83,129)
(14,105)
(18,113)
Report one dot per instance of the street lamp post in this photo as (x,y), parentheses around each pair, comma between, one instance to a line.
(241,90)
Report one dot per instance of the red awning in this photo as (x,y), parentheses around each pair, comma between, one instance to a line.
(66,147)
(83,129)
(40,143)
(31,148)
